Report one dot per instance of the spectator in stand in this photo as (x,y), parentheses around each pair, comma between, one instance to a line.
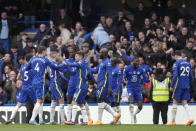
(77,29)
(103,21)
(51,46)
(18,90)
(65,34)
(41,36)
(101,37)
(23,42)
(111,28)
(6,71)
(3,96)
(84,11)
(180,24)
(147,25)
(29,47)
(79,39)
(64,19)
(139,13)
(183,37)
(15,55)
(184,12)
(129,31)
(172,12)
(10,87)
(189,49)
(166,25)
(91,93)
(89,55)
(126,45)
(61,48)
(120,20)
(53,32)
(5,32)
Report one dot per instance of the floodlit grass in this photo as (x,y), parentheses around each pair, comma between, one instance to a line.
(26,127)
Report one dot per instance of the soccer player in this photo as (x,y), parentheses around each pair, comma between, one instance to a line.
(116,85)
(133,75)
(39,66)
(81,90)
(103,86)
(57,94)
(182,76)
(72,84)
(27,92)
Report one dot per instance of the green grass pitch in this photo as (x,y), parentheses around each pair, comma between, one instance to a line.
(25,127)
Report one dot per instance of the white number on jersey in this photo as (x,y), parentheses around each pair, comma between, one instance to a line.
(26,76)
(37,67)
(185,71)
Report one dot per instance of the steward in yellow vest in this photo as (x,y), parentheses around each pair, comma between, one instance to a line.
(159,94)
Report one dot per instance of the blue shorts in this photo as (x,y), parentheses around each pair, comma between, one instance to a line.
(57,93)
(102,93)
(71,90)
(181,94)
(27,93)
(135,93)
(79,96)
(39,90)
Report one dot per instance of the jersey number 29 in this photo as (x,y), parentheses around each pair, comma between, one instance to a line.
(185,71)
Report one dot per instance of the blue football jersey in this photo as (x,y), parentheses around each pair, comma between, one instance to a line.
(104,73)
(182,74)
(116,78)
(133,76)
(27,76)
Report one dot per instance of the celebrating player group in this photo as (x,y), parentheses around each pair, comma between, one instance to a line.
(111,77)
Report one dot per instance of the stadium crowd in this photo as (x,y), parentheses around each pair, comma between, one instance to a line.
(153,36)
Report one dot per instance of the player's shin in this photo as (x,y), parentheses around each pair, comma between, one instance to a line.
(131,109)
(110,110)
(69,112)
(52,111)
(84,114)
(35,111)
(41,112)
(173,111)
(62,113)
(88,111)
(100,111)
(74,113)
(16,108)
(188,111)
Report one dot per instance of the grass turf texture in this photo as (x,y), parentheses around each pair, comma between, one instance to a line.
(25,127)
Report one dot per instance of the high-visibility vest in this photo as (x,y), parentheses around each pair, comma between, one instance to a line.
(160,91)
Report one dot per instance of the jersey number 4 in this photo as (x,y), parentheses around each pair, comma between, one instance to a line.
(37,67)
(185,71)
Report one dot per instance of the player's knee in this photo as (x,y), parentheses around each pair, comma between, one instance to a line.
(140,106)
(69,100)
(61,106)
(100,100)
(53,105)
(113,104)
